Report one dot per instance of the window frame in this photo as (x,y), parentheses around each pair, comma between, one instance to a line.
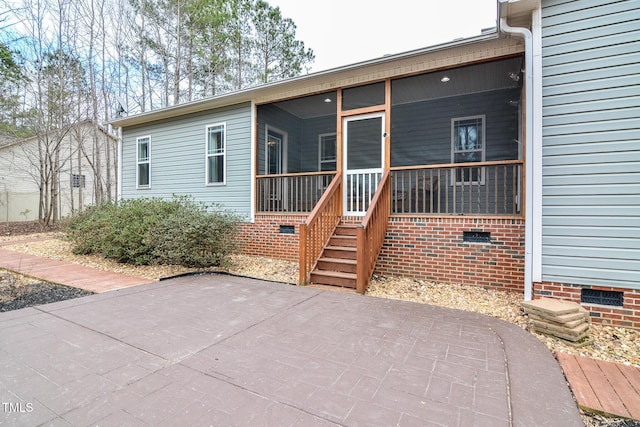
(147,161)
(223,154)
(321,140)
(482,150)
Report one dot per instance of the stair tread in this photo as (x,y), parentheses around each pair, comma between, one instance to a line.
(341,248)
(340,260)
(331,273)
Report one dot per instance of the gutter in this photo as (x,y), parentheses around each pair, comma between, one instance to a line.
(528,228)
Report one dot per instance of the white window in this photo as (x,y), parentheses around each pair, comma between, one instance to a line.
(468,145)
(216,158)
(143,169)
(327,152)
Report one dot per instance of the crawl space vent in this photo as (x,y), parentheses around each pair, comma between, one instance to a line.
(593,296)
(287,229)
(476,236)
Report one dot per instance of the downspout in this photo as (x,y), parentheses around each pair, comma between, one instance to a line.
(528,227)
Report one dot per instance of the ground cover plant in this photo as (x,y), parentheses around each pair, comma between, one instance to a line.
(149,231)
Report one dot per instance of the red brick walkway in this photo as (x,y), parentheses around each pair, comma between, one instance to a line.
(65,273)
(611,388)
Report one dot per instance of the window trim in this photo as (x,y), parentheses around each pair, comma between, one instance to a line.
(320,142)
(138,162)
(454,177)
(223,125)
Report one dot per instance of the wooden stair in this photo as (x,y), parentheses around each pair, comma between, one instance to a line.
(337,263)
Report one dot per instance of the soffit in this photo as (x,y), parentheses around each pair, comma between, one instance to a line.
(400,67)
(517,12)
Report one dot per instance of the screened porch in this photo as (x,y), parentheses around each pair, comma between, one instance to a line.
(451,140)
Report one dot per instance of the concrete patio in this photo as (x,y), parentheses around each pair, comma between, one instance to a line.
(223,350)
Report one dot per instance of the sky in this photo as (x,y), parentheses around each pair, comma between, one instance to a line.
(343,32)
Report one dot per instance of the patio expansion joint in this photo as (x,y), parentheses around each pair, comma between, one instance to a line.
(231,382)
(251,326)
(506,373)
(51,313)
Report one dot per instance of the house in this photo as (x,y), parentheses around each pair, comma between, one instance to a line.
(78,164)
(506,160)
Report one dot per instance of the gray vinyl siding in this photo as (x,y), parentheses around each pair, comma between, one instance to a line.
(178,162)
(591,142)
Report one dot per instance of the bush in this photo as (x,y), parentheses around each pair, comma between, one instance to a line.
(155,231)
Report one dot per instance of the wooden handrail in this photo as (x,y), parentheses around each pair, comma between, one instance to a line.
(474,188)
(316,230)
(286,175)
(458,165)
(290,192)
(371,233)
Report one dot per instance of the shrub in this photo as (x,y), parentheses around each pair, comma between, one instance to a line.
(156,231)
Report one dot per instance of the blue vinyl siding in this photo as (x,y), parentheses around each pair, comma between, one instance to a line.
(591,142)
(178,160)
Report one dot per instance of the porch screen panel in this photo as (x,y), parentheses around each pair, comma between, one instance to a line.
(363,162)
(363,96)
(473,116)
(364,144)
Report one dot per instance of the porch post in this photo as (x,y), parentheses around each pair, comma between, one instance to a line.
(387,126)
(339,142)
(302,260)
(360,260)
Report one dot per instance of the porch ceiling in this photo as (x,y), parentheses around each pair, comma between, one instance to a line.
(463,80)
(476,78)
(310,106)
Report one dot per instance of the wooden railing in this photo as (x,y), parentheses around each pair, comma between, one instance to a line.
(316,230)
(291,192)
(480,188)
(371,233)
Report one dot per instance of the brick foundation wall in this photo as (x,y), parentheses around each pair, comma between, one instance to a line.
(626,316)
(263,237)
(422,248)
(433,249)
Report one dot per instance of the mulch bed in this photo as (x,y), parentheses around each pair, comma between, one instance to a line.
(15,295)
(12,298)
(24,227)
